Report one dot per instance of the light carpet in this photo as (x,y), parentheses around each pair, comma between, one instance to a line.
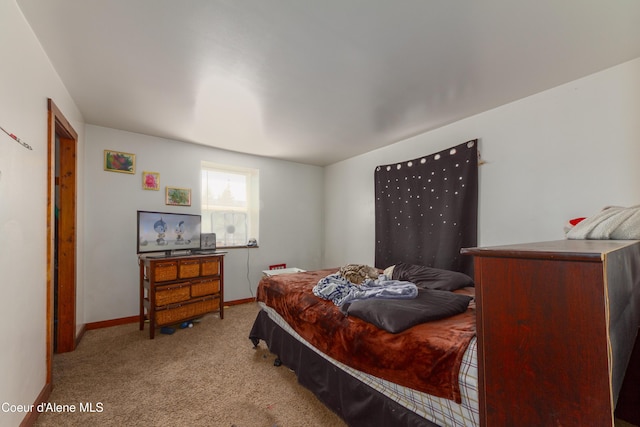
(208,375)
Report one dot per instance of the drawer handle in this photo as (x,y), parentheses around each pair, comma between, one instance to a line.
(166,288)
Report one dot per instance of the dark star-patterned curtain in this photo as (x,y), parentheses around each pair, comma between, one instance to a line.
(427,209)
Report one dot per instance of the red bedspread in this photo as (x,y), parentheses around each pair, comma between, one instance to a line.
(426,357)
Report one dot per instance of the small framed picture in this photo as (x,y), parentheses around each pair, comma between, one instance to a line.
(117,161)
(208,241)
(178,196)
(150,180)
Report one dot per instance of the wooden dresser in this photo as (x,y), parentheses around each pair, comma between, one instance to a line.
(557,322)
(176,289)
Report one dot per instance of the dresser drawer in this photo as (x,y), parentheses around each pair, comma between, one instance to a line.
(171,294)
(210,267)
(189,268)
(204,287)
(188,310)
(164,271)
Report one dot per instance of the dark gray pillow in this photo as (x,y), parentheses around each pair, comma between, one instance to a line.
(396,315)
(431,278)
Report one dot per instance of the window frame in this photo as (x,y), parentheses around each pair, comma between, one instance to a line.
(252,180)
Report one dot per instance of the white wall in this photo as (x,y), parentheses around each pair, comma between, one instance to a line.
(563,153)
(291,218)
(560,154)
(27,79)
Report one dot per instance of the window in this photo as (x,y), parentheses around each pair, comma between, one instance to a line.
(230,200)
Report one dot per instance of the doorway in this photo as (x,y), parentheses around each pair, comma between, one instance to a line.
(61,235)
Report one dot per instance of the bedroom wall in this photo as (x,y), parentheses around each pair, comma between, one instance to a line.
(560,154)
(291,218)
(27,79)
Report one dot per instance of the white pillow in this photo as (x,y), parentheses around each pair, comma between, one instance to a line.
(388,271)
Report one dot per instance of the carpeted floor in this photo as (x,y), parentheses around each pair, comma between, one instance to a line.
(208,375)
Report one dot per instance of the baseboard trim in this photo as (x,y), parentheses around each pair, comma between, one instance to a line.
(31,416)
(239,301)
(112,322)
(134,319)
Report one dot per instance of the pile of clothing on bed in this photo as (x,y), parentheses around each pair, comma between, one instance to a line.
(612,222)
(398,298)
(357,282)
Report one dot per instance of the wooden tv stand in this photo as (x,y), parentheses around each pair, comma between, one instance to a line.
(557,322)
(175,289)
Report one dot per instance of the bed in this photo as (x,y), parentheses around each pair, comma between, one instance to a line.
(370,361)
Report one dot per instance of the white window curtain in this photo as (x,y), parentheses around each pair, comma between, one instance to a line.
(230,200)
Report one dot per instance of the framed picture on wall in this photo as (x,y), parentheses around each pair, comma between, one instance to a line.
(150,180)
(118,161)
(178,196)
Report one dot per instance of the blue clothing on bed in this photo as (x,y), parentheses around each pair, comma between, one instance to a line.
(339,290)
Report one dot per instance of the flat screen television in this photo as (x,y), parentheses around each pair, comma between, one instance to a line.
(167,232)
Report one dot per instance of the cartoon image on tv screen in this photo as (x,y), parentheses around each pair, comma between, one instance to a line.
(164,232)
(179,234)
(160,227)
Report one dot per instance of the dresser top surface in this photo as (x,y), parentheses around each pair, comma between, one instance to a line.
(557,249)
(162,258)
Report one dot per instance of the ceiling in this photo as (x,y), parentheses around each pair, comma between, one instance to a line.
(319,81)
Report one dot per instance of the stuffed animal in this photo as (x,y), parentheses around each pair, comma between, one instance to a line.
(358,273)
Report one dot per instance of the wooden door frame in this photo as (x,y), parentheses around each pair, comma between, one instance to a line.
(66,330)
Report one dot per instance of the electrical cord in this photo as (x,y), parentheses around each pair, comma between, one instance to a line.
(248,279)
